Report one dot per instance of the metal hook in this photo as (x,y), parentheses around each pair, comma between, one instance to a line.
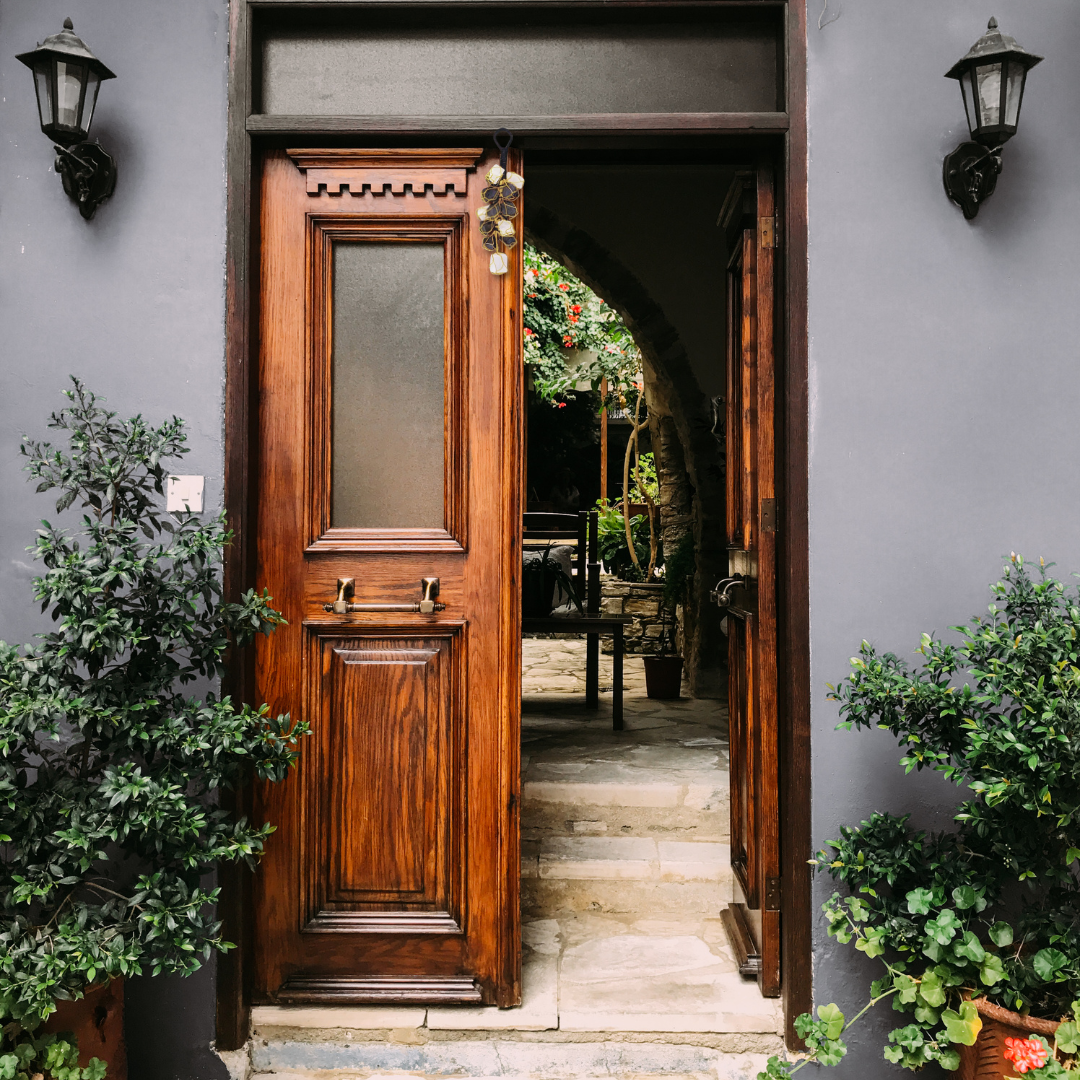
(503,147)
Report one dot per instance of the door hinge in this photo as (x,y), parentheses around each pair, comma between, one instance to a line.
(768,515)
(772,894)
(769,231)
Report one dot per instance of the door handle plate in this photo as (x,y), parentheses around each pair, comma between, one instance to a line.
(346,588)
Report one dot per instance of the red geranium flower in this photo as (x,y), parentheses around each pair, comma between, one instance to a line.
(528,332)
(1026,1054)
(564,286)
(575,308)
(574,318)
(567,340)
(560,404)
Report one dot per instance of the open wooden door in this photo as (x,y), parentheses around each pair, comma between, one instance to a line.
(389,391)
(749,593)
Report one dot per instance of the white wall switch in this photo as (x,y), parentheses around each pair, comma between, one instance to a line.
(184,493)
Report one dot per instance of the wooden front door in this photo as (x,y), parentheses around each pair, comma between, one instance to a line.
(749,593)
(389,390)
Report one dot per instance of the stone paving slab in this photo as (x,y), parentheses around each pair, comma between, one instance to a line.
(358,1018)
(632,857)
(288,1060)
(539,1010)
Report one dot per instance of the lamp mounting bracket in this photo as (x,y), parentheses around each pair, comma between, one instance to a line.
(970,175)
(88,173)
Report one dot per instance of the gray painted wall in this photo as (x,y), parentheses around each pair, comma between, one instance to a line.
(943,373)
(133,302)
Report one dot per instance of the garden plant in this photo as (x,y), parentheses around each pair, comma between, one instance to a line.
(113,742)
(988,911)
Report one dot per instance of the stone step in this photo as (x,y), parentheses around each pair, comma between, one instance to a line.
(623,858)
(276,1058)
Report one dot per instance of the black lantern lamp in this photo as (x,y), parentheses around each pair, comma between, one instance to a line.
(67,77)
(992,78)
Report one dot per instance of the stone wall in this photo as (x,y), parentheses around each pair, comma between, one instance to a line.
(642,601)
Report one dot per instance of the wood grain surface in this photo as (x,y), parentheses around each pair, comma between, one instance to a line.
(392,875)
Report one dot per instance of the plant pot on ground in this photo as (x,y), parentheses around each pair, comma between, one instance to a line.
(96,1023)
(110,767)
(663,677)
(977,926)
(663,672)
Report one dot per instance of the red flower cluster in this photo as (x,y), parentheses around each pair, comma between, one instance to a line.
(567,340)
(564,286)
(528,332)
(560,404)
(1026,1054)
(575,308)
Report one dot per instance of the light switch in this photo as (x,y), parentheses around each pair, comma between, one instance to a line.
(184,493)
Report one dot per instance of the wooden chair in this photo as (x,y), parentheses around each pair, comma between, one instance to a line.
(582,529)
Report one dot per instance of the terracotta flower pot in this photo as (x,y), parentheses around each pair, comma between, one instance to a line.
(986,1059)
(97,1021)
(663,677)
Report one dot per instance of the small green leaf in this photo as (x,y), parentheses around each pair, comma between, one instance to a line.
(1001,934)
(833,1019)
(1048,962)
(919,901)
(963,1025)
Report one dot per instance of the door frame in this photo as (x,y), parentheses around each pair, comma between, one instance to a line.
(785,133)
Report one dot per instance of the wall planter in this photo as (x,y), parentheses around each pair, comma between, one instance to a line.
(663,677)
(986,1059)
(97,1022)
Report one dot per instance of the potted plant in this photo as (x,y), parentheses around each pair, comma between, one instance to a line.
(977,928)
(109,767)
(663,670)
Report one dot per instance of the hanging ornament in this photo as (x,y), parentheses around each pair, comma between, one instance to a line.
(500,207)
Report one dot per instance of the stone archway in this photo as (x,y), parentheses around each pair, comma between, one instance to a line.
(681,426)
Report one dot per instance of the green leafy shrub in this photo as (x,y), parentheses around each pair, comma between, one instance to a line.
(108,770)
(992,908)
(611,540)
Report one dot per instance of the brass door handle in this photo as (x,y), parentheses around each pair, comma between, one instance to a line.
(346,587)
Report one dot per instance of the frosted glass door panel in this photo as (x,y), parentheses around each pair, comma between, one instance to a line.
(388,386)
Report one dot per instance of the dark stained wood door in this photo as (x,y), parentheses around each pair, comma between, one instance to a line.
(751,586)
(389,390)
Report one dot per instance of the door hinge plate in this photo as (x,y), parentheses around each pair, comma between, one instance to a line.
(769,231)
(772,894)
(768,515)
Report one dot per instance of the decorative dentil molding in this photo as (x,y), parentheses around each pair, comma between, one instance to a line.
(376,171)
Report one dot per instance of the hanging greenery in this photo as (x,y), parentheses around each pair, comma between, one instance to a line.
(565,319)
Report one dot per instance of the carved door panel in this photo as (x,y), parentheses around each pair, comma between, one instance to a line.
(389,455)
(754,920)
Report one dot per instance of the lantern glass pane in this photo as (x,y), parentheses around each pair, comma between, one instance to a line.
(43,84)
(1014,91)
(969,101)
(988,80)
(93,84)
(69,80)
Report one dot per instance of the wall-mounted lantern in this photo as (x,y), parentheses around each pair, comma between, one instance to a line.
(992,78)
(67,77)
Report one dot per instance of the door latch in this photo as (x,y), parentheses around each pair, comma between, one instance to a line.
(721,592)
(346,588)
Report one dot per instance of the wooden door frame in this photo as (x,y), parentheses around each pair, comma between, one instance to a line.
(786,131)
